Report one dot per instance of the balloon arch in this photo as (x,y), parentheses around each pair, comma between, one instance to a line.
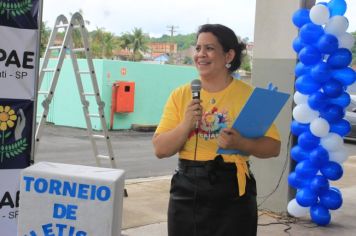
(323,75)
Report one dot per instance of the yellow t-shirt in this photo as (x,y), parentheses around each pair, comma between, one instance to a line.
(219,111)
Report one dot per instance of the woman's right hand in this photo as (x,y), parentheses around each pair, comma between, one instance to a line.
(169,143)
(193,114)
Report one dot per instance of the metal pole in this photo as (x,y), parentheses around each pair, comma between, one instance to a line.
(307,3)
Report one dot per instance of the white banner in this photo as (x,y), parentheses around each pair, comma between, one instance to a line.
(70,200)
(17,62)
(19,59)
(9,201)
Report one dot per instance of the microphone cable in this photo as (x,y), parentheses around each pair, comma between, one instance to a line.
(195,87)
(195,182)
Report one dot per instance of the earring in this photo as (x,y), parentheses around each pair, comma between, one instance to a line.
(227,65)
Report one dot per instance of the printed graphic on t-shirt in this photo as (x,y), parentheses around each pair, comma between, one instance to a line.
(212,122)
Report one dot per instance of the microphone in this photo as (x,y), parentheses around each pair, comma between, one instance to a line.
(195,86)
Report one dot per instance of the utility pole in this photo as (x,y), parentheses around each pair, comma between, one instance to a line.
(172,30)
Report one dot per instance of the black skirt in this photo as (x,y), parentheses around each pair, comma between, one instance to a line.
(204,201)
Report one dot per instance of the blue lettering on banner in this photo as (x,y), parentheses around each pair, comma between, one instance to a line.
(61,211)
(41,185)
(58,230)
(66,188)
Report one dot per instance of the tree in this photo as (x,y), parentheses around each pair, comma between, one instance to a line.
(96,39)
(246,63)
(110,43)
(135,42)
(126,41)
(45,33)
(103,43)
(138,43)
(183,41)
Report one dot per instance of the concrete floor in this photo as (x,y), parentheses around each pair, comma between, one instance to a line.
(145,210)
(148,181)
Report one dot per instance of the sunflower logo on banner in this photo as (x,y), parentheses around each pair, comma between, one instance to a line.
(15,135)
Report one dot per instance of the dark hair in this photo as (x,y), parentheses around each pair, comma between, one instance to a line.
(228,40)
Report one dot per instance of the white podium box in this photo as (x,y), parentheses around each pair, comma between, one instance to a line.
(70,200)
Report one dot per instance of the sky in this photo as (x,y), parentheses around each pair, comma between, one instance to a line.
(155,16)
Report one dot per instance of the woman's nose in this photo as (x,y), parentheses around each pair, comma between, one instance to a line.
(201,53)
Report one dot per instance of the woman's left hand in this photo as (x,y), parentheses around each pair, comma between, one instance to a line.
(229,138)
(263,147)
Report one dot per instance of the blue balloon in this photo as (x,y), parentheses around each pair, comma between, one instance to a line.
(298,44)
(301,17)
(320,215)
(309,55)
(337,7)
(341,58)
(333,88)
(306,85)
(306,169)
(310,33)
(331,199)
(327,44)
(308,141)
(332,113)
(306,197)
(332,170)
(343,100)
(319,156)
(297,181)
(321,72)
(299,154)
(346,76)
(319,184)
(317,100)
(341,127)
(298,128)
(301,69)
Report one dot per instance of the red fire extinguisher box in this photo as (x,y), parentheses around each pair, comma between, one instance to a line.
(125,96)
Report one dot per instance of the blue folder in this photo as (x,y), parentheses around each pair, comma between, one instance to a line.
(257,115)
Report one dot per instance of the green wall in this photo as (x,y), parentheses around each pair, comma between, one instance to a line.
(153,84)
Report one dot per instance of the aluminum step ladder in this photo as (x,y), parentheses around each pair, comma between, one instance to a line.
(67,46)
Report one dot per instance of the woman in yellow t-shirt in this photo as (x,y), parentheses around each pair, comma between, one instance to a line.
(212,194)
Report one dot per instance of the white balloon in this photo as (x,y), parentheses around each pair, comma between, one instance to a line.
(337,25)
(304,114)
(346,40)
(332,142)
(300,98)
(297,210)
(319,14)
(319,127)
(339,156)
